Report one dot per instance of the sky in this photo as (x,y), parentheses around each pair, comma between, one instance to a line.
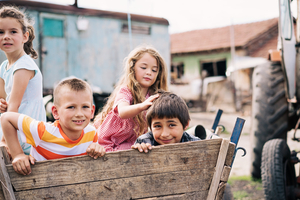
(187,15)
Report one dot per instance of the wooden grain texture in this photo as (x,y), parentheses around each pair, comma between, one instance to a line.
(186,196)
(220,191)
(225,174)
(6,186)
(5,155)
(218,170)
(164,184)
(230,153)
(122,164)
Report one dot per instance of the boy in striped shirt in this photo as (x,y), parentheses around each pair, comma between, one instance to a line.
(70,135)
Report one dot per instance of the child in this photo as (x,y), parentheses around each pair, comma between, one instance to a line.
(122,119)
(168,117)
(70,135)
(21,87)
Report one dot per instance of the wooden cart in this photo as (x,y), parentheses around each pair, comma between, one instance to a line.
(191,170)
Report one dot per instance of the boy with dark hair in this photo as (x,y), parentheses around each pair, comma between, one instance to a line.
(70,135)
(167,118)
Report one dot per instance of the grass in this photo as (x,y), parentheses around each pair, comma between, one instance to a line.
(242,187)
(239,195)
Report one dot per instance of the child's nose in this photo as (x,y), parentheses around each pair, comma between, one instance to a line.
(165,133)
(79,113)
(6,36)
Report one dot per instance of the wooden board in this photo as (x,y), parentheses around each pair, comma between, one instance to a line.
(178,171)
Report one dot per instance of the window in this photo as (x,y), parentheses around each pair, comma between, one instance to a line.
(177,71)
(216,68)
(53,27)
(135,29)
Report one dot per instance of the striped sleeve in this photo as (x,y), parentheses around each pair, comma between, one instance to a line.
(30,130)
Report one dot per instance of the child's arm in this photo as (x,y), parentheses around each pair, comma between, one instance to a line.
(95,150)
(9,122)
(3,103)
(143,147)
(20,82)
(128,111)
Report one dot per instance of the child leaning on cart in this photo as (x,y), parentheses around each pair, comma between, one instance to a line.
(70,135)
(167,118)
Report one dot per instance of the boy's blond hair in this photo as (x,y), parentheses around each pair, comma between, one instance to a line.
(74,84)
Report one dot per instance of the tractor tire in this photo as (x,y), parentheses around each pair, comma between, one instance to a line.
(277,171)
(269,110)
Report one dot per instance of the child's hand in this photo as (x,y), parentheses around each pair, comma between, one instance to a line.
(148,102)
(3,106)
(21,164)
(142,147)
(95,150)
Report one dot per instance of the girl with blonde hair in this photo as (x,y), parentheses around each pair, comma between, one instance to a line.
(122,119)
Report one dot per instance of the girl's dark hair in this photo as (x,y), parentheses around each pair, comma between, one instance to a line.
(13,12)
(168,105)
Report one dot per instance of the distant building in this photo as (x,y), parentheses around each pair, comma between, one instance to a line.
(205,56)
(87,43)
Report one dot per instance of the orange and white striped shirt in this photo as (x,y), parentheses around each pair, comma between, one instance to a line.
(50,142)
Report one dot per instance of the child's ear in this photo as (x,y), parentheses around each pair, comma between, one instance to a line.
(187,125)
(93,111)
(55,112)
(25,37)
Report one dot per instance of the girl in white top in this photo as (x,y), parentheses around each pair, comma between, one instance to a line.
(21,87)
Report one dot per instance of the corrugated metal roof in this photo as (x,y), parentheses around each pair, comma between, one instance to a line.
(219,38)
(70,9)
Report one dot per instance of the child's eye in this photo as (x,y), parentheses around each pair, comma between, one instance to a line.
(14,31)
(71,107)
(1,32)
(143,67)
(157,126)
(86,107)
(154,70)
(172,125)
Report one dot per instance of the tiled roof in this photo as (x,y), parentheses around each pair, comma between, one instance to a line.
(218,38)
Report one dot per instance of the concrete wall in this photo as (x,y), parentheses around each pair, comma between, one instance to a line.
(95,54)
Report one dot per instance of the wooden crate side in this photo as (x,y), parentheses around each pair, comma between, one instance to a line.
(230,153)
(155,185)
(122,164)
(218,170)
(7,190)
(186,196)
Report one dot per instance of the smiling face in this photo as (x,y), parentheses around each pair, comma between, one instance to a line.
(146,70)
(167,130)
(12,38)
(74,111)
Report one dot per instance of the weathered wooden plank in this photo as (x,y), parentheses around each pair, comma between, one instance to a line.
(187,196)
(7,189)
(168,158)
(221,190)
(230,153)
(225,174)
(1,194)
(218,170)
(5,155)
(164,184)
